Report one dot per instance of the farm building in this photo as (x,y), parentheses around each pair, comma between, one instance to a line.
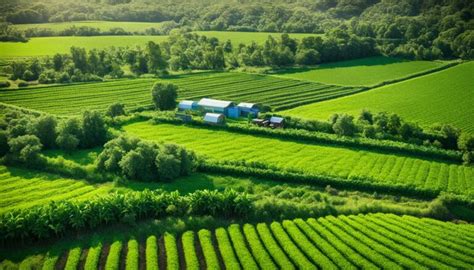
(214,118)
(248,108)
(187,105)
(277,122)
(227,108)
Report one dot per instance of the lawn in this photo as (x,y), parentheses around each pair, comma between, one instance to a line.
(362,72)
(311,158)
(102,25)
(372,241)
(442,97)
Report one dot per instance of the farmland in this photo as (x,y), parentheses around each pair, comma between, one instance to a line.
(441,97)
(42,46)
(313,159)
(278,93)
(348,242)
(21,188)
(365,71)
(102,25)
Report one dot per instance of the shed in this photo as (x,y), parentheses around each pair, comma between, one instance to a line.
(214,118)
(248,108)
(215,105)
(187,105)
(277,122)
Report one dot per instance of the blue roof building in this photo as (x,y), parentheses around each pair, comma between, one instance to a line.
(227,108)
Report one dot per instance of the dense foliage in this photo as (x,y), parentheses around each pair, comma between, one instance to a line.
(59,218)
(414,29)
(145,160)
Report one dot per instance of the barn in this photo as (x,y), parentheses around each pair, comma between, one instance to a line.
(248,108)
(226,108)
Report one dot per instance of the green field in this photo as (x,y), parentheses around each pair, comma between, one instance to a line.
(313,159)
(42,46)
(366,71)
(21,188)
(248,37)
(278,93)
(442,97)
(374,241)
(102,25)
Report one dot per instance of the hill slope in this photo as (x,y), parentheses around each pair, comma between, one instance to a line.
(442,97)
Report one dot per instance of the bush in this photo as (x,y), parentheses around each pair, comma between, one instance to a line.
(25,149)
(466,142)
(22,83)
(164,96)
(116,109)
(4,84)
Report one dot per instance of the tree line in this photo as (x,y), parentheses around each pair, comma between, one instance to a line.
(413,29)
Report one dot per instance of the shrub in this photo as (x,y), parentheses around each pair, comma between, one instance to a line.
(4,84)
(164,96)
(344,125)
(25,148)
(116,109)
(22,83)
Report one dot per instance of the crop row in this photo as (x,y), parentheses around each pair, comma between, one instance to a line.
(349,242)
(72,99)
(314,159)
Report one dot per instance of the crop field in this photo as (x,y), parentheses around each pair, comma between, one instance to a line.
(278,93)
(371,241)
(365,71)
(313,159)
(98,96)
(442,97)
(21,188)
(248,37)
(102,25)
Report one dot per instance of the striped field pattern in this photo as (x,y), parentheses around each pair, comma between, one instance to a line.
(313,158)
(73,99)
(21,188)
(370,241)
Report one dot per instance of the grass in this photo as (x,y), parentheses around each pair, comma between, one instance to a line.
(312,158)
(43,46)
(276,92)
(102,25)
(442,97)
(370,241)
(365,71)
(22,188)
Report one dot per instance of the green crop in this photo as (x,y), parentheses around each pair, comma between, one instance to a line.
(93,255)
(113,258)
(238,241)
(226,249)
(151,253)
(73,258)
(131,262)
(210,256)
(258,250)
(441,97)
(189,250)
(354,164)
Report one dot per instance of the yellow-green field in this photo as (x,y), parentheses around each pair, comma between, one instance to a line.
(102,25)
(248,37)
(311,158)
(442,97)
(362,72)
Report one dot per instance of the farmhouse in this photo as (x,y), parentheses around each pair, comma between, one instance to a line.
(214,118)
(248,108)
(226,108)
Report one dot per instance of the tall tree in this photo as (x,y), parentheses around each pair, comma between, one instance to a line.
(156,61)
(164,96)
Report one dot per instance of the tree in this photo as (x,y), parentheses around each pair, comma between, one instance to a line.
(58,62)
(45,130)
(307,57)
(69,134)
(25,148)
(466,142)
(94,129)
(3,142)
(168,166)
(79,57)
(18,70)
(344,125)
(156,61)
(116,109)
(366,115)
(164,96)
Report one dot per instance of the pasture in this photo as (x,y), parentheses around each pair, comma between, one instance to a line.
(347,242)
(276,92)
(312,158)
(102,25)
(248,37)
(363,72)
(43,46)
(443,97)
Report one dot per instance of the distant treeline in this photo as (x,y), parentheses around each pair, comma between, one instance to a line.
(414,29)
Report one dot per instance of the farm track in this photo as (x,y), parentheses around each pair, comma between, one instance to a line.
(370,241)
